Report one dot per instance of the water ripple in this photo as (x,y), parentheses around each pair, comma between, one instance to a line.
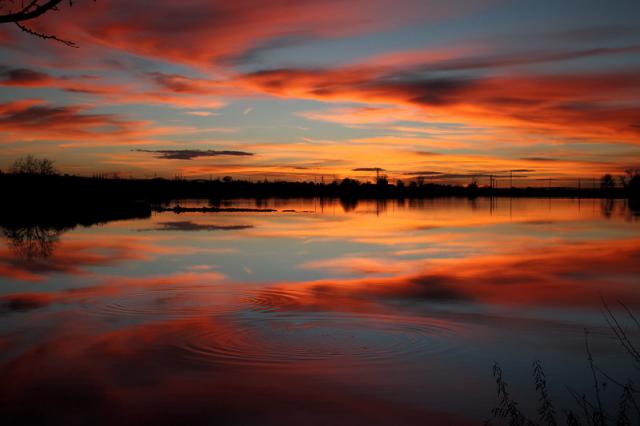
(275,327)
(271,340)
(166,303)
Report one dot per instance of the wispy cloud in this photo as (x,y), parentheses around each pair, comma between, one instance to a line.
(190,154)
(22,77)
(368,169)
(35,119)
(201,113)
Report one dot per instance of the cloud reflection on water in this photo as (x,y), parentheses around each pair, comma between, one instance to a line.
(376,331)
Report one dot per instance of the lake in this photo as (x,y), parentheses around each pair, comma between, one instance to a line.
(323,312)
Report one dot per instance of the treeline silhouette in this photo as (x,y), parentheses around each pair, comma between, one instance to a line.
(111,195)
(64,202)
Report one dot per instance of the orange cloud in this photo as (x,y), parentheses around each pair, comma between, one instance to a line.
(167,89)
(37,120)
(590,106)
(75,125)
(488,93)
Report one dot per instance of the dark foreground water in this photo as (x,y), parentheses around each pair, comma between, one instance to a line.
(333,313)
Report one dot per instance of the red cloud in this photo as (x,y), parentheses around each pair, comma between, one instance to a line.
(36,120)
(23,77)
(458,82)
(203,32)
(592,105)
(171,89)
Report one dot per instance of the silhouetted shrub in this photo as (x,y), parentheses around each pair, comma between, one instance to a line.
(30,165)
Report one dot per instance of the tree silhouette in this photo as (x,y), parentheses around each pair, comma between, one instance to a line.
(607,182)
(18,12)
(631,182)
(30,165)
(382,181)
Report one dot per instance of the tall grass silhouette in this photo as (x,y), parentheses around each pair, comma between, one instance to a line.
(590,411)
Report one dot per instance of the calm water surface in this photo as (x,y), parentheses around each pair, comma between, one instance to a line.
(320,313)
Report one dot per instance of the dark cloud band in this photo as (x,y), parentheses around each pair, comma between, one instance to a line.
(190,154)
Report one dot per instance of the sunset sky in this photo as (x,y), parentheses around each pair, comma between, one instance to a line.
(305,89)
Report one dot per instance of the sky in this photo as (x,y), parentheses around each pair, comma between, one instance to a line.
(311,90)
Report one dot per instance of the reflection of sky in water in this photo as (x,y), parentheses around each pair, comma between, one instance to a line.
(399,305)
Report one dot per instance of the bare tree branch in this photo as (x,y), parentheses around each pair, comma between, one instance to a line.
(31,11)
(45,36)
(34,9)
